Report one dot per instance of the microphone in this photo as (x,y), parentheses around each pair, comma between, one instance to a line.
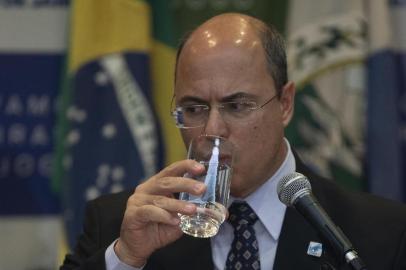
(295,190)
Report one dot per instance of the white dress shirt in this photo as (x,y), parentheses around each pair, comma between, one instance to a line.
(270,211)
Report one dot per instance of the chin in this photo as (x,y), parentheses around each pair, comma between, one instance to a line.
(237,190)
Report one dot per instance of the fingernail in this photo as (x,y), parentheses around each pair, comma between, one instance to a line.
(190,207)
(198,187)
(198,166)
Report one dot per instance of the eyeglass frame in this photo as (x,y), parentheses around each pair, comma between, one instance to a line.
(174,112)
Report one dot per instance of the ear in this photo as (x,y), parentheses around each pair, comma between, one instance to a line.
(287,102)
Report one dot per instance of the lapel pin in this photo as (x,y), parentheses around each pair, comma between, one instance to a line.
(315,249)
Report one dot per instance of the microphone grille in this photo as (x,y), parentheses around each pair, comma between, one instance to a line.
(291,186)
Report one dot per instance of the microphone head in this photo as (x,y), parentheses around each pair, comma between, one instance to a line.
(293,186)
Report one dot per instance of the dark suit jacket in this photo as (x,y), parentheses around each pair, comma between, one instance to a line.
(376,228)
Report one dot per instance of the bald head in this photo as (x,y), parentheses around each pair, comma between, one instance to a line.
(239,31)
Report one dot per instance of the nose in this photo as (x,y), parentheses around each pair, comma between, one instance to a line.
(215,124)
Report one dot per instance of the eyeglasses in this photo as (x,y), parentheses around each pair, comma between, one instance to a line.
(196,115)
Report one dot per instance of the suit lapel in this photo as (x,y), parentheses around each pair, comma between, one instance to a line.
(297,234)
(294,240)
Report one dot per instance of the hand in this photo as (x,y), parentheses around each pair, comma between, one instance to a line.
(150,220)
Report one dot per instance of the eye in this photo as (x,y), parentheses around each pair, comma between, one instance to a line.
(196,109)
(238,106)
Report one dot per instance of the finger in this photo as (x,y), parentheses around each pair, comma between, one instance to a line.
(170,185)
(182,167)
(152,214)
(172,205)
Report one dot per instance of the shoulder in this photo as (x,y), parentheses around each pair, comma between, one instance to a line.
(372,223)
(105,214)
(354,206)
(343,203)
(375,226)
(110,207)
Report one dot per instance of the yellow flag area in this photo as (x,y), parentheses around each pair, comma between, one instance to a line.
(100,27)
(163,70)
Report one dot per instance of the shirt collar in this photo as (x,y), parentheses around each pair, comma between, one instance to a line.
(265,202)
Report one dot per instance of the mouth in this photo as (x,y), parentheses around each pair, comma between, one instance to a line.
(226,159)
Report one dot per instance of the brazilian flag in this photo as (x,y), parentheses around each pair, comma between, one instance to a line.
(109,137)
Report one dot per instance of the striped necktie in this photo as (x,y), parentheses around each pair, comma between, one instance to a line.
(244,253)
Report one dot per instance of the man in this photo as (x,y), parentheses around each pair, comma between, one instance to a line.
(235,62)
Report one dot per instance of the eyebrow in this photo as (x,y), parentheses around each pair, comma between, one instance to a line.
(238,95)
(187,99)
(232,97)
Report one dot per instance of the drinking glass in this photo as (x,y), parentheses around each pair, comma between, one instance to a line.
(216,154)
